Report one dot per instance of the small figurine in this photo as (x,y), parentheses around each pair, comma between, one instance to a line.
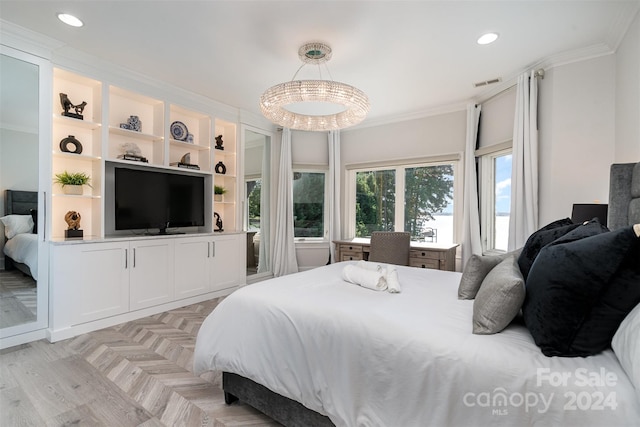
(218,222)
(72,218)
(219,143)
(68,105)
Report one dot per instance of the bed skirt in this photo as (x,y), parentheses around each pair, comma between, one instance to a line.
(282,409)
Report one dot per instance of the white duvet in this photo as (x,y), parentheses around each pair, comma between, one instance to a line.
(23,248)
(367,358)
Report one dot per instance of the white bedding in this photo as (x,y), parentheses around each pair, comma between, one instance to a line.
(367,358)
(23,248)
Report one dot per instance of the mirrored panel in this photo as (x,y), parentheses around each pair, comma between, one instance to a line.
(19,151)
(257,154)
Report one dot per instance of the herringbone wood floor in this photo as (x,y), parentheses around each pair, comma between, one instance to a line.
(137,373)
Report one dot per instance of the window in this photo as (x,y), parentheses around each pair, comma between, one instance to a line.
(495,199)
(309,204)
(415,198)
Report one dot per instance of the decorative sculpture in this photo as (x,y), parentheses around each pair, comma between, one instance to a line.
(68,105)
(72,218)
(221,168)
(219,143)
(186,159)
(131,151)
(76,146)
(218,222)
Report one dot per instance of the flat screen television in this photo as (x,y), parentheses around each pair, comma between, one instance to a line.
(149,200)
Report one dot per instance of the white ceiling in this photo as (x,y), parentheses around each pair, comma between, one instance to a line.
(407,56)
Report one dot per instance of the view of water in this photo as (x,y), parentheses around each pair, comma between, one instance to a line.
(443,224)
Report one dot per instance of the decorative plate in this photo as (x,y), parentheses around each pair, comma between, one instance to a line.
(179,131)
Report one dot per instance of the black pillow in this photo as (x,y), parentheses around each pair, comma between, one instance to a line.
(34,216)
(580,288)
(539,240)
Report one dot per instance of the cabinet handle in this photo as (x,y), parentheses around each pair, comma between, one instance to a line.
(213,249)
(44,217)
(134,258)
(208,250)
(126,259)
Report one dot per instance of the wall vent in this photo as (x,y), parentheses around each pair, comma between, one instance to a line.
(488,82)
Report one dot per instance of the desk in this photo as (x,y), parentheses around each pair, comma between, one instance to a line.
(421,255)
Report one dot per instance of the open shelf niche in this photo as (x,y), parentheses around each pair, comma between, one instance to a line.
(84,157)
(225,160)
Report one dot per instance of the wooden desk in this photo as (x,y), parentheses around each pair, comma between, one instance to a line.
(421,255)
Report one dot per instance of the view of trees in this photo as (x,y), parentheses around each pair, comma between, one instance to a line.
(428,191)
(253,192)
(308,204)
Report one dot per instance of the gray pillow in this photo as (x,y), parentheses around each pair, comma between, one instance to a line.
(500,298)
(476,270)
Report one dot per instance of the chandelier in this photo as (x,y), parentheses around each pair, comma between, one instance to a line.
(284,103)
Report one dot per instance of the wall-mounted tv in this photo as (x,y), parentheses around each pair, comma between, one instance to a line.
(149,200)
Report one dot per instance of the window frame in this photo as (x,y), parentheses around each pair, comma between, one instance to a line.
(400,165)
(487,195)
(325,171)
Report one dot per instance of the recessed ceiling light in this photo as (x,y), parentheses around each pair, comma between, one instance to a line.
(70,20)
(488,38)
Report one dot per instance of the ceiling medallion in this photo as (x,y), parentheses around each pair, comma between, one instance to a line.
(343,104)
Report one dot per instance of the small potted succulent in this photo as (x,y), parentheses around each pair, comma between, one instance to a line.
(72,182)
(218,191)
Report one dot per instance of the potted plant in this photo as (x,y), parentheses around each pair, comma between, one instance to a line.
(72,182)
(218,191)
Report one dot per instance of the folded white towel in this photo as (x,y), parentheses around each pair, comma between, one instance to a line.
(367,265)
(393,285)
(366,278)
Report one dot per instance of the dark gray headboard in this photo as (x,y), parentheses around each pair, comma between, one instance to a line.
(20,202)
(624,195)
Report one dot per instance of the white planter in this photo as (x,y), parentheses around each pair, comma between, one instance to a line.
(75,190)
(217,197)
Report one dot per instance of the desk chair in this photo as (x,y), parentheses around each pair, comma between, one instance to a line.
(390,247)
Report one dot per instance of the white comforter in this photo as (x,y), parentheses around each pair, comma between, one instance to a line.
(369,358)
(23,248)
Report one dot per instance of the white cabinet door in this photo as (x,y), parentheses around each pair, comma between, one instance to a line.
(229,261)
(91,281)
(192,265)
(151,272)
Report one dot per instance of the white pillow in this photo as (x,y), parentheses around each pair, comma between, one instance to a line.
(16,224)
(626,345)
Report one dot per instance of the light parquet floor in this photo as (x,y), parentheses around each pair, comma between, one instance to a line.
(137,373)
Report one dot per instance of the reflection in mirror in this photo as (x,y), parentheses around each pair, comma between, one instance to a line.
(256,212)
(19,142)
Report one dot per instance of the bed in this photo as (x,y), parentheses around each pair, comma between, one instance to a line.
(20,224)
(310,349)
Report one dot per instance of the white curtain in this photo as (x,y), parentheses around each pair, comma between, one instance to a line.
(524,173)
(471,243)
(284,251)
(334,191)
(265,196)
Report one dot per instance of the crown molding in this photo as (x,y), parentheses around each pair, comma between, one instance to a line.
(412,115)
(28,41)
(560,59)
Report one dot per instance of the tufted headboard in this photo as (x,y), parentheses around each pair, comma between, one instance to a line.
(624,195)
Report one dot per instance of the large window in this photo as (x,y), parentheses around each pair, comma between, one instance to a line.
(495,195)
(309,204)
(413,198)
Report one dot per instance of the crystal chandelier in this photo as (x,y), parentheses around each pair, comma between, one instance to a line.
(351,103)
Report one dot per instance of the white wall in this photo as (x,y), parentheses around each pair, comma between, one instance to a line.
(576,134)
(627,147)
